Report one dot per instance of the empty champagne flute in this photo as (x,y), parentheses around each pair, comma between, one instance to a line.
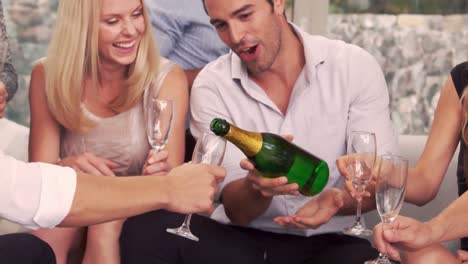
(209,149)
(389,193)
(159,118)
(362,152)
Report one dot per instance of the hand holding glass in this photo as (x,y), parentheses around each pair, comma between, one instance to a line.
(389,193)
(361,151)
(159,117)
(209,149)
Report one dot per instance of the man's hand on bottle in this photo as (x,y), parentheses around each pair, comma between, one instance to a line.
(268,187)
(318,211)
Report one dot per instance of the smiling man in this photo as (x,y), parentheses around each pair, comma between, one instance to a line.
(282,80)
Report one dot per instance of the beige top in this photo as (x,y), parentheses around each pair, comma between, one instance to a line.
(120,138)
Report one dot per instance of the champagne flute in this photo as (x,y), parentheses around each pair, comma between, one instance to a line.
(389,193)
(209,149)
(159,119)
(361,150)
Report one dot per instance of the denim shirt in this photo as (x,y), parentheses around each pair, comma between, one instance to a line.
(184,33)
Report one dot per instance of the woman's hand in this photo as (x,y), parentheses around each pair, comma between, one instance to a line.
(343,164)
(156,163)
(403,233)
(90,164)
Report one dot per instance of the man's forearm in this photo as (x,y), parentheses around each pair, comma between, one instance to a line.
(242,203)
(101,199)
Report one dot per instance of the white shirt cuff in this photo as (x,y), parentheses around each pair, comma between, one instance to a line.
(58,187)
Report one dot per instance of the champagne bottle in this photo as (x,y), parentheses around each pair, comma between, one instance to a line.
(274,156)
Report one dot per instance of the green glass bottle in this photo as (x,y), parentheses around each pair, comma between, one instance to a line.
(274,156)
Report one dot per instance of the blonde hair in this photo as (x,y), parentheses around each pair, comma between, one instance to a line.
(73,57)
(464,104)
(464,131)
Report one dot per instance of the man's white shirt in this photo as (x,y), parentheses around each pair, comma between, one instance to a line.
(36,195)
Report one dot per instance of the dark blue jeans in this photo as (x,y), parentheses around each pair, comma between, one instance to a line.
(24,248)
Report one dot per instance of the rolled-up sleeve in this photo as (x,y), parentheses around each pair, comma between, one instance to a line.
(36,195)
(58,187)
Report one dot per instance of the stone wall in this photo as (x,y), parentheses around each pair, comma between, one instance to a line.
(29,26)
(416,53)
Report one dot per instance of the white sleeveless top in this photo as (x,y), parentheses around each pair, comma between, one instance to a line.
(120,138)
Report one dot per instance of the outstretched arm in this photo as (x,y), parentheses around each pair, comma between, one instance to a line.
(424,180)
(189,188)
(45,195)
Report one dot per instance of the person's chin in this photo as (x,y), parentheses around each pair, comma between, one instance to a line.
(125,61)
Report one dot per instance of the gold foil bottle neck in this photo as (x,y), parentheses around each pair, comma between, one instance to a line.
(249,142)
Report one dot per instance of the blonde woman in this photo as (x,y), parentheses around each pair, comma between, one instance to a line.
(89,91)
